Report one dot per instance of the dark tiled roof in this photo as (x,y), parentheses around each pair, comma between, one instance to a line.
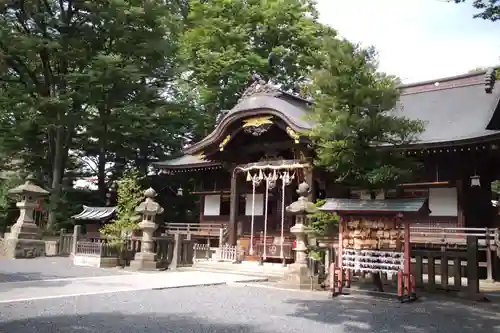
(373,206)
(451,113)
(294,111)
(455,110)
(95,213)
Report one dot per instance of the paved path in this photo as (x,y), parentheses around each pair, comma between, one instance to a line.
(48,268)
(231,309)
(51,296)
(71,287)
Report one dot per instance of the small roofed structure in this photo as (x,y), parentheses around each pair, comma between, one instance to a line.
(376,207)
(95,217)
(374,237)
(95,213)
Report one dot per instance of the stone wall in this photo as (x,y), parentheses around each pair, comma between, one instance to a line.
(2,248)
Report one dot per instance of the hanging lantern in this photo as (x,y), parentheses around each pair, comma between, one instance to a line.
(275,176)
(249,176)
(475,181)
(261,175)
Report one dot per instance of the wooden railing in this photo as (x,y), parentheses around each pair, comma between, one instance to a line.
(102,250)
(450,237)
(487,237)
(197,229)
(227,253)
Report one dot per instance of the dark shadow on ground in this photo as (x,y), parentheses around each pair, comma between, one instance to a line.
(23,277)
(363,314)
(120,323)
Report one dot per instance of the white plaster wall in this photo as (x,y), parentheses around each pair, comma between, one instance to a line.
(212,205)
(443,201)
(259,204)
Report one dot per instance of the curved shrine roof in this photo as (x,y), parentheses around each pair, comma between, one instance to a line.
(456,110)
(95,213)
(261,99)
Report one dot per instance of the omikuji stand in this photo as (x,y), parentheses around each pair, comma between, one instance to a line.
(374,237)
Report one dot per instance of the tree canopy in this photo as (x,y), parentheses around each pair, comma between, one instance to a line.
(487,9)
(95,88)
(89,81)
(225,41)
(356,112)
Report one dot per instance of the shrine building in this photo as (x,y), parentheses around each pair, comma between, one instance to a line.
(255,157)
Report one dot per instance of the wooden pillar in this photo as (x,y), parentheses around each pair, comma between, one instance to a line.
(461,202)
(202,208)
(233,212)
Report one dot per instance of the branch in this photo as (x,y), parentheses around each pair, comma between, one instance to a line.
(18,66)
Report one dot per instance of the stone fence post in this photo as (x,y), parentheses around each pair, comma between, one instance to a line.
(77,230)
(176,253)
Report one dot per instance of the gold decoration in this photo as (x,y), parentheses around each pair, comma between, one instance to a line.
(224,142)
(293,134)
(201,155)
(257,121)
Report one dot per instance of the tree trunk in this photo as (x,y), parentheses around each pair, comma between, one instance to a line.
(101,167)
(101,174)
(57,175)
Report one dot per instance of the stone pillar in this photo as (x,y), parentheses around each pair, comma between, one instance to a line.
(24,239)
(77,230)
(298,275)
(146,259)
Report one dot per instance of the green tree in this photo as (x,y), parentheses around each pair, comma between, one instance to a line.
(68,69)
(129,195)
(487,9)
(6,202)
(323,223)
(358,122)
(357,115)
(225,41)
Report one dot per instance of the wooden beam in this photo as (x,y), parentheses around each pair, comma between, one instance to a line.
(427,184)
(212,192)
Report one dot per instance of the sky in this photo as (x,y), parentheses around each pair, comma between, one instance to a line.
(417,40)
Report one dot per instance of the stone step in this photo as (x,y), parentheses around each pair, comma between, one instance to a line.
(270,277)
(239,269)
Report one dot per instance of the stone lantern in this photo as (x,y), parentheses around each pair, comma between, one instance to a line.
(24,239)
(148,209)
(298,274)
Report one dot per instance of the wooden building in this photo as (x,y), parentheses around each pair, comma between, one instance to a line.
(261,134)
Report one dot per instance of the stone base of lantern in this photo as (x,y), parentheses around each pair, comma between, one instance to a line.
(298,277)
(144,261)
(19,248)
(24,241)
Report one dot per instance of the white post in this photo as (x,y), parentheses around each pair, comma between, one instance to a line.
(253,214)
(264,255)
(283,183)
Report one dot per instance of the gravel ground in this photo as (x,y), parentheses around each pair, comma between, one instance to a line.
(47,268)
(243,309)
